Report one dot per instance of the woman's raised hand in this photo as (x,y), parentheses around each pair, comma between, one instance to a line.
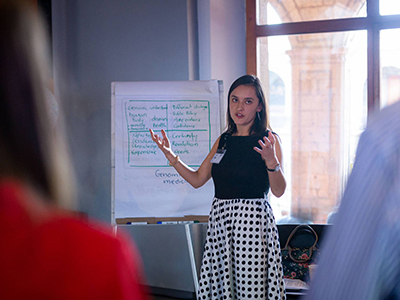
(267,149)
(162,143)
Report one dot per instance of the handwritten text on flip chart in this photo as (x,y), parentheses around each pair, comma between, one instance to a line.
(186,122)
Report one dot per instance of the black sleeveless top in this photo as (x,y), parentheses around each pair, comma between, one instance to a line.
(241,173)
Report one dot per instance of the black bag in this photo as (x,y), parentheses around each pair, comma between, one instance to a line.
(299,252)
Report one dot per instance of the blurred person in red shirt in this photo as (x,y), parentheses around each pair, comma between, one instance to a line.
(47,252)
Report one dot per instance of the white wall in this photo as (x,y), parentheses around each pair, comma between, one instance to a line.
(222,41)
(96,42)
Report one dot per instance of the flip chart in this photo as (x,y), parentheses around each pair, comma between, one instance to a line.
(144,184)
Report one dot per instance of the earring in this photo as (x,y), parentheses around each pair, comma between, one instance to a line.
(258,116)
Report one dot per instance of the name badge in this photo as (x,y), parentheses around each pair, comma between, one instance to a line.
(218,156)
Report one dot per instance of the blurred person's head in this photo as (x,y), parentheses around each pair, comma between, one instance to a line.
(32,148)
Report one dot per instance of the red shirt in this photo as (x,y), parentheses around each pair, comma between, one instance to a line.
(48,254)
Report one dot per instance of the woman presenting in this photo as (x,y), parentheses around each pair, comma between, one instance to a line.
(242,258)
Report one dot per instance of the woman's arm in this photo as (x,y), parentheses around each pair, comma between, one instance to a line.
(196,178)
(271,153)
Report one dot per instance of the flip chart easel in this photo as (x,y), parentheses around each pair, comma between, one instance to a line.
(143,183)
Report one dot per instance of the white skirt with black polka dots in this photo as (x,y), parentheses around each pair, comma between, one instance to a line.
(242,258)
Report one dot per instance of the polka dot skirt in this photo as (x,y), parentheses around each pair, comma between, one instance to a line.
(242,258)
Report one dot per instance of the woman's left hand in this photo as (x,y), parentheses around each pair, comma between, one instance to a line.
(267,150)
(271,152)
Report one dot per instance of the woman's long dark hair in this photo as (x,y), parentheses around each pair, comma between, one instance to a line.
(260,124)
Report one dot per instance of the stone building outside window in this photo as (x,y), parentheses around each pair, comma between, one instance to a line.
(327,66)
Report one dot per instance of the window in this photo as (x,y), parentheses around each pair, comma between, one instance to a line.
(327,66)
(389,7)
(308,10)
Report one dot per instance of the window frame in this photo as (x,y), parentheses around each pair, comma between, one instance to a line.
(373,23)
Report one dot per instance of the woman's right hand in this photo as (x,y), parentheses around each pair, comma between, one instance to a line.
(162,143)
